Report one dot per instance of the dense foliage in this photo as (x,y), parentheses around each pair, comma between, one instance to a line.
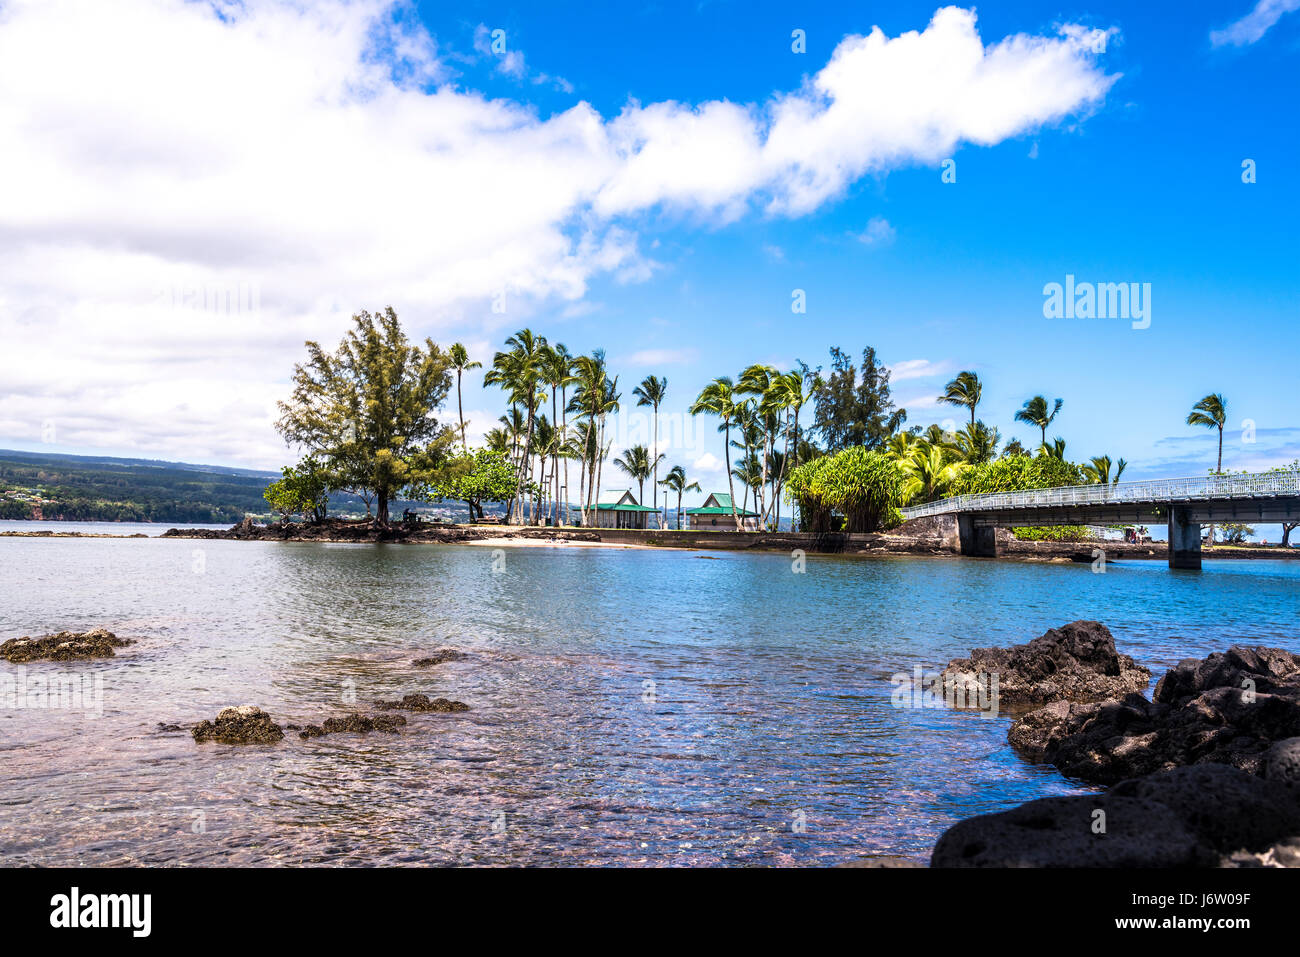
(484,476)
(860,488)
(1016,473)
(367,409)
(853,405)
(303,490)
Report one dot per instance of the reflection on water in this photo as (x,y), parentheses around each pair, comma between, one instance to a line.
(628,707)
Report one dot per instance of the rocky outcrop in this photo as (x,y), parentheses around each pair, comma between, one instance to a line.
(1230,708)
(439,657)
(1208,815)
(1076,662)
(65,646)
(246,724)
(422,702)
(356,723)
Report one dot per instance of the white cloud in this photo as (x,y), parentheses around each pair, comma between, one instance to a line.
(315,154)
(1252,27)
(708,462)
(918,369)
(662,357)
(878,232)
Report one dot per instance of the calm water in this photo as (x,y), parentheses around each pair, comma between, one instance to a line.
(767,735)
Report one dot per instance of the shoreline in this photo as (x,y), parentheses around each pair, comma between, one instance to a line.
(921,537)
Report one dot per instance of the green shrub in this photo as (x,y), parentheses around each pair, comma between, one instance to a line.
(863,489)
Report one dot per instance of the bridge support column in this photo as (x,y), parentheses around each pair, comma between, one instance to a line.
(1184,540)
(977,540)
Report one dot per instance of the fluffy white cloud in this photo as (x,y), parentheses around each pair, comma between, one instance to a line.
(191,189)
(879,232)
(1252,27)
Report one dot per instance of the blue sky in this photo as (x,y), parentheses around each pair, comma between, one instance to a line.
(1115,166)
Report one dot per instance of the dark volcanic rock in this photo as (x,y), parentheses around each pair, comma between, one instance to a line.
(422,702)
(441,656)
(358,723)
(1076,662)
(1203,816)
(243,725)
(1229,708)
(65,646)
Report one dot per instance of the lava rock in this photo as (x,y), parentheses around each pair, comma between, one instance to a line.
(441,656)
(246,724)
(358,723)
(422,702)
(1209,815)
(1076,662)
(65,646)
(1229,709)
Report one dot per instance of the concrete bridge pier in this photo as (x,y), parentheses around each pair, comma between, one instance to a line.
(1184,540)
(979,540)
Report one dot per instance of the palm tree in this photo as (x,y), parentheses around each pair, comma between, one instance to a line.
(556,373)
(1098,472)
(1211,412)
(718,398)
(460,362)
(1054,451)
(965,391)
(588,403)
(675,481)
(519,373)
(978,443)
(1035,413)
(636,463)
(651,392)
(929,473)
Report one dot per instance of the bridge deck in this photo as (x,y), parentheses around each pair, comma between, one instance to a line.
(1261,497)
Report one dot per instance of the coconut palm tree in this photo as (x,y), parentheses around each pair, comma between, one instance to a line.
(965,390)
(461,363)
(1098,472)
(651,392)
(1034,412)
(718,398)
(978,443)
(636,463)
(1211,412)
(929,473)
(556,373)
(675,481)
(518,372)
(1054,451)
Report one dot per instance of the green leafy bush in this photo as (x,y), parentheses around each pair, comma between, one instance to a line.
(862,488)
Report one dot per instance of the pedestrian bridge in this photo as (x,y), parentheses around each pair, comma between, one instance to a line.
(1184,504)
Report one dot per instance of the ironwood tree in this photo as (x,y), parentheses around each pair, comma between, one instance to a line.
(367,409)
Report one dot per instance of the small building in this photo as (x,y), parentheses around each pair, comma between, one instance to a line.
(618,508)
(715,515)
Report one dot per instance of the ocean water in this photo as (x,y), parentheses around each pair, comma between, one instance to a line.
(636,707)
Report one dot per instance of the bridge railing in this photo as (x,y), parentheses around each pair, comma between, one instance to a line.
(1258,485)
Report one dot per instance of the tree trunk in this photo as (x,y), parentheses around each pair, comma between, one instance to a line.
(460,410)
(731,485)
(655,487)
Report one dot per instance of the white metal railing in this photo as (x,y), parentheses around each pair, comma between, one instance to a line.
(1258,485)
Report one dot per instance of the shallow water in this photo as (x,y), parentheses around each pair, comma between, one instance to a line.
(628,707)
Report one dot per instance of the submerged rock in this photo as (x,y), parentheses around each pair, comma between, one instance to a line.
(1203,816)
(245,724)
(358,723)
(422,702)
(1076,662)
(1230,708)
(441,656)
(65,646)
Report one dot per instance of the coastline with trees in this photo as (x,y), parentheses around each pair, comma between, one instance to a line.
(830,446)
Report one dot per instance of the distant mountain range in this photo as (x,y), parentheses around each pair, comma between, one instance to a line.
(95,488)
